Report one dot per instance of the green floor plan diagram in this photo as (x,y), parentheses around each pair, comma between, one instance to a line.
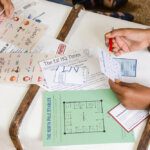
(81,117)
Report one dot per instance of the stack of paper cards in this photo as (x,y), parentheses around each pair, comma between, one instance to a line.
(116,68)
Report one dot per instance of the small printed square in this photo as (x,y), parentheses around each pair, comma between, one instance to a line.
(128,66)
(61,49)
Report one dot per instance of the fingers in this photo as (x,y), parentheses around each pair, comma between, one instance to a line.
(117,32)
(118,53)
(129,85)
(120,89)
(8,7)
(119,83)
(117,87)
(120,45)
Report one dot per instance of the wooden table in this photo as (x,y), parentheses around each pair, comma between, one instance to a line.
(88,31)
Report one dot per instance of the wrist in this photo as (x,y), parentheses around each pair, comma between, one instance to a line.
(147,31)
(149,100)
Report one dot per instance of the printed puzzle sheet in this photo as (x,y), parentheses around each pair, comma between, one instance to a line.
(77,70)
(21,32)
(22,68)
(27,31)
(80,117)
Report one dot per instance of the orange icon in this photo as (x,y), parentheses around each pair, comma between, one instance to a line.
(26,22)
(13,78)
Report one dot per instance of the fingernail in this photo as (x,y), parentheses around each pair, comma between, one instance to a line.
(117,81)
(108,34)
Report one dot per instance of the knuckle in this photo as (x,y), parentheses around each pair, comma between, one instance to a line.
(126,104)
(125,94)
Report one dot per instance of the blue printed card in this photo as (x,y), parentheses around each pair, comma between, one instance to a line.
(128,66)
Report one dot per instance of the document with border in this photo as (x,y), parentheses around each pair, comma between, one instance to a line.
(80,117)
(128,119)
(78,70)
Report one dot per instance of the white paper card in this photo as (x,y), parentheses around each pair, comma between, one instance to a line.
(71,75)
(109,66)
(128,119)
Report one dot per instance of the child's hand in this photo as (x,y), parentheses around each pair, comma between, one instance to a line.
(8,7)
(126,40)
(132,95)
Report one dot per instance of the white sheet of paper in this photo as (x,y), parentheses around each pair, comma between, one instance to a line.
(79,70)
(71,75)
(110,67)
(49,44)
(128,119)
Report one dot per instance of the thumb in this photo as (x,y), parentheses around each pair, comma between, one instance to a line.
(125,84)
(117,87)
